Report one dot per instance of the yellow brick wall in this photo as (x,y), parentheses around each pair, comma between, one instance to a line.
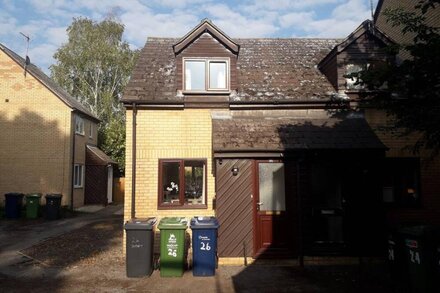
(34,137)
(166,134)
(81,142)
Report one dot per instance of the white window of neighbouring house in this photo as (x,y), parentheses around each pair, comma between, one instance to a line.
(352,81)
(206,75)
(182,183)
(91,130)
(79,125)
(78,176)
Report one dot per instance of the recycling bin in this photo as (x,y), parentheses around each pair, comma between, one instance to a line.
(32,205)
(13,203)
(204,245)
(139,247)
(53,205)
(397,261)
(421,244)
(172,246)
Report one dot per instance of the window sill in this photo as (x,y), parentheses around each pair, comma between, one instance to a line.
(81,134)
(182,207)
(213,92)
(78,187)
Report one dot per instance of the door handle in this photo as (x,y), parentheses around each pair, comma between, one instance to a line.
(259,203)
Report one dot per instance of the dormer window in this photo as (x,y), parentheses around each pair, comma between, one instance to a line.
(201,75)
(352,80)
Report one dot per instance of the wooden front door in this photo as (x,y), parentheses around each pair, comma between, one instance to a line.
(270,225)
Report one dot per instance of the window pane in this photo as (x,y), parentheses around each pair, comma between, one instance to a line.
(195,75)
(217,75)
(195,182)
(271,187)
(170,182)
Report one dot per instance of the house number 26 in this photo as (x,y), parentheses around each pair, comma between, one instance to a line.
(205,246)
(415,256)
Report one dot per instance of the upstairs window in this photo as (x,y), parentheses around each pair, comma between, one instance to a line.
(91,130)
(79,125)
(352,80)
(206,75)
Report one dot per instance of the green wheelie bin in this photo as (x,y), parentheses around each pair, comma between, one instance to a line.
(172,246)
(32,205)
(422,255)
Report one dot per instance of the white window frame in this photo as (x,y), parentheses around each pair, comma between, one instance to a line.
(78,176)
(207,74)
(91,130)
(79,125)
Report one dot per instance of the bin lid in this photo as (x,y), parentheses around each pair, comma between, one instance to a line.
(33,195)
(14,194)
(53,195)
(204,223)
(420,231)
(168,223)
(140,224)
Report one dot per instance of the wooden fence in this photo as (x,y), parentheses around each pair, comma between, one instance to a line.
(118,189)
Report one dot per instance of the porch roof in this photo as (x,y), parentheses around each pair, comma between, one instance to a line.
(269,134)
(99,157)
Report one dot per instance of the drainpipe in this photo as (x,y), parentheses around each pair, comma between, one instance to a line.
(133,166)
(300,228)
(73,162)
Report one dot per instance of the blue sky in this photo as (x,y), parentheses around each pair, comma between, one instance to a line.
(45,21)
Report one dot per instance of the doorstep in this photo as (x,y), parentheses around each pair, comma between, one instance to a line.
(308,261)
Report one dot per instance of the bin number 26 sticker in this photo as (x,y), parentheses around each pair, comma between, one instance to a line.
(205,246)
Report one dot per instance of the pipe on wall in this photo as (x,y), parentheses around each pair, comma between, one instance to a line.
(133,166)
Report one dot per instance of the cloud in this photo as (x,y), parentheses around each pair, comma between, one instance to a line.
(237,25)
(296,19)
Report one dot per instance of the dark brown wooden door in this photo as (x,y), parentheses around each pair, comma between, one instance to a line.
(270,225)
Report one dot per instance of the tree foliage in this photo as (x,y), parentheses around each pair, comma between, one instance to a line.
(94,66)
(414,84)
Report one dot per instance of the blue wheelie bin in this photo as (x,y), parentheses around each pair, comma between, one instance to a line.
(13,205)
(204,244)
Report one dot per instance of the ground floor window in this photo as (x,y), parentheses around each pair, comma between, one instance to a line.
(402,182)
(78,176)
(182,183)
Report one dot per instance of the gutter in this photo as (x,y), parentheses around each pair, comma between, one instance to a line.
(133,166)
(73,161)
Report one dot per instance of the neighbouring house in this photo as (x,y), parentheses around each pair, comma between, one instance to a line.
(432,18)
(265,134)
(48,139)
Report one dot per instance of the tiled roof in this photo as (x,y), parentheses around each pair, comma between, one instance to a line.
(49,83)
(283,134)
(268,70)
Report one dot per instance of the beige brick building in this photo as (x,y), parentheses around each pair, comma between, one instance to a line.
(266,135)
(44,134)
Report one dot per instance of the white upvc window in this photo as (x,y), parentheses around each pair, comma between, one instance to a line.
(79,125)
(206,74)
(91,130)
(78,176)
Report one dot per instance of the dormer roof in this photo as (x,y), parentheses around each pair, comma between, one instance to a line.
(366,27)
(206,26)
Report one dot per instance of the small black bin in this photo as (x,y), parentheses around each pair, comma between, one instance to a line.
(53,206)
(139,247)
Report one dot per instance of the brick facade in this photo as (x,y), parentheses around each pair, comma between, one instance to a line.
(166,134)
(36,137)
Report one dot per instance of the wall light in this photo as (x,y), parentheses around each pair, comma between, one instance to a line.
(235,171)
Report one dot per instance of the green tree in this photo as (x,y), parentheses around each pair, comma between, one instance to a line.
(413,86)
(94,66)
